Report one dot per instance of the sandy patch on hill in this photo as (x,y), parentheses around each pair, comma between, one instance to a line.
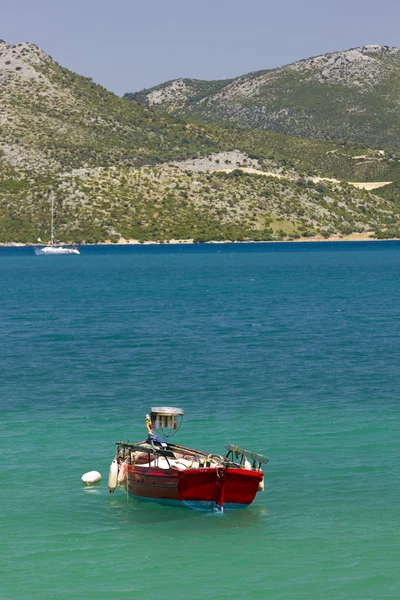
(361,185)
(369,185)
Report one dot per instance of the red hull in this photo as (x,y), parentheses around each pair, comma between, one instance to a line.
(210,486)
(168,473)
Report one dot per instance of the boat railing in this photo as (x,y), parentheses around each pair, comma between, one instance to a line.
(127,451)
(241,455)
(235,458)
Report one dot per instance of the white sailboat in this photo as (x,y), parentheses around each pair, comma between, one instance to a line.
(54,248)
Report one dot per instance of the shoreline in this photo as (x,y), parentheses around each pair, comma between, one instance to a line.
(133,242)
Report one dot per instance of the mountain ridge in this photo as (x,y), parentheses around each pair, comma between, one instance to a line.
(345,95)
(121,170)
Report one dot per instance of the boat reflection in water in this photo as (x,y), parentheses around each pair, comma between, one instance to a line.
(159,471)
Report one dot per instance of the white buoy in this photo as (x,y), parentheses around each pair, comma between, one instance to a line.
(261,485)
(91,477)
(113,476)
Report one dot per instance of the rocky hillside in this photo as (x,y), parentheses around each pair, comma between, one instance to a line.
(350,95)
(53,118)
(121,170)
(199,199)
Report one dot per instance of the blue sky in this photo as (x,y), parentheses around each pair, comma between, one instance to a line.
(127,45)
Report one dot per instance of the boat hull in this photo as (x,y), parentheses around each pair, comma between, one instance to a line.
(50,251)
(205,489)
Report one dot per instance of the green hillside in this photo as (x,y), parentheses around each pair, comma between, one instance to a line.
(352,95)
(60,119)
(122,170)
(164,203)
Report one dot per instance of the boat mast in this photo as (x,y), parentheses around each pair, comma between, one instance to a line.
(52,217)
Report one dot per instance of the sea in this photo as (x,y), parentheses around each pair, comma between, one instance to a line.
(291,350)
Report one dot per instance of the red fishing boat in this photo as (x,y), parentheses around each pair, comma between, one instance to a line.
(166,473)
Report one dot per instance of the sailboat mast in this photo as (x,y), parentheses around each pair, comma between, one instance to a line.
(52,217)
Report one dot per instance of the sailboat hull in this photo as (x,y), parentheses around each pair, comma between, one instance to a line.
(51,250)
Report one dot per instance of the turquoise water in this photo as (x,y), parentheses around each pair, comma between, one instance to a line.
(291,350)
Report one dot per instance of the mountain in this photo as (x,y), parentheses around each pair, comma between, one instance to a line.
(56,118)
(121,170)
(349,95)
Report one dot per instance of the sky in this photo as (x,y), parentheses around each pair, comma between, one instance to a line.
(128,45)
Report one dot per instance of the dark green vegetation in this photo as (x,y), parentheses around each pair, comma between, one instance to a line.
(109,163)
(346,96)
